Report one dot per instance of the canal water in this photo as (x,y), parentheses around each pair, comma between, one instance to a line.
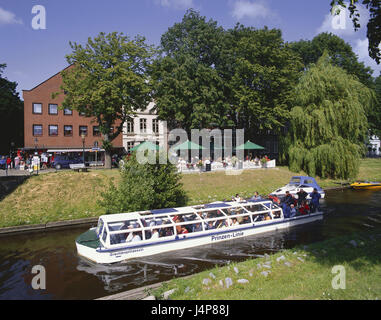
(71,277)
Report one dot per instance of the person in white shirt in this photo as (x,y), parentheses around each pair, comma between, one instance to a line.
(155,234)
(136,237)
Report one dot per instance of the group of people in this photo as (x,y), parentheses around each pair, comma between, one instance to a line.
(292,207)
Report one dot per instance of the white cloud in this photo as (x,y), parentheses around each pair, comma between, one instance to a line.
(342,24)
(7,17)
(361,49)
(176,4)
(249,9)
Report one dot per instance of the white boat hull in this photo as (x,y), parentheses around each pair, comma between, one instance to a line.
(188,241)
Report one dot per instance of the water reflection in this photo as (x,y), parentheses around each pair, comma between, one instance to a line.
(72,277)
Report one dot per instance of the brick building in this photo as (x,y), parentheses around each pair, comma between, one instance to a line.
(47,128)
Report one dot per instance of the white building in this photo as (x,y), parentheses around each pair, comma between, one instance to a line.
(143,127)
(374,146)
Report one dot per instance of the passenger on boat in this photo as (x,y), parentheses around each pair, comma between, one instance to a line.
(304,208)
(292,211)
(155,234)
(197,227)
(289,199)
(256,197)
(302,195)
(210,225)
(235,222)
(286,210)
(267,217)
(136,237)
(315,197)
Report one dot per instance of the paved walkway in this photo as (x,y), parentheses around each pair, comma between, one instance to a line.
(16,172)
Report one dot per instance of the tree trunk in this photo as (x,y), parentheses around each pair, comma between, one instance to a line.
(108,163)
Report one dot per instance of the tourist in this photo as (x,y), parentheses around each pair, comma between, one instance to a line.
(302,196)
(304,208)
(289,199)
(256,196)
(315,197)
(136,237)
(154,234)
(292,211)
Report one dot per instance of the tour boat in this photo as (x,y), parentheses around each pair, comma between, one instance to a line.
(163,230)
(299,182)
(366,185)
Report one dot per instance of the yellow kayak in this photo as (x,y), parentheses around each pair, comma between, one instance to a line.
(366,185)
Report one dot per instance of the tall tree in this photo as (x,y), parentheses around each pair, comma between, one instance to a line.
(263,74)
(374,23)
(341,54)
(375,113)
(328,122)
(109,81)
(188,91)
(11,115)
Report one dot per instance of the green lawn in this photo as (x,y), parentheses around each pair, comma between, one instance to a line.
(299,273)
(69,195)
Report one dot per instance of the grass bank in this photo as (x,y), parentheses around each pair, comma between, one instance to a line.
(304,272)
(67,195)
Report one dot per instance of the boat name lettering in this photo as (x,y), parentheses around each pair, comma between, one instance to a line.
(227,236)
(126,251)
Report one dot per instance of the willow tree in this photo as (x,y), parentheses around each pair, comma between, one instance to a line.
(328,122)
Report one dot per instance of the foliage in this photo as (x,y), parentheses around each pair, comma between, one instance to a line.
(144,187)
(340,52)
(11,115)
(328,122)
(374,24)
(188,91)
(375,113)
(108,81)
(211,77)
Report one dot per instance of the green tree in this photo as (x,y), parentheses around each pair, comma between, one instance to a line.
(264,71)
(340,52)
(145,187)
(374,23)
(188,91)
(108,81)
(11,115)
(374,117)
(328,124)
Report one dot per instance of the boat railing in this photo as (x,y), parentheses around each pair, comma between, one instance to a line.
(167,222)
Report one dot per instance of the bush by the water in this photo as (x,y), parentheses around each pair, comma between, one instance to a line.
(144,187)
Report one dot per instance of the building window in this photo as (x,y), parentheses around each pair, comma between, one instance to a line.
(96,132)
(83,130)
(37,129)
(37,108)
(68,112)
(68,131)
(143,125)
(53,130)
(130,145)
(130,126)
(53,108)
(155,126)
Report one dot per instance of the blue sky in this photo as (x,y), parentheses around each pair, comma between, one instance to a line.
(32,55)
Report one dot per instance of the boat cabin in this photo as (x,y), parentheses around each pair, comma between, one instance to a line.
(136,228)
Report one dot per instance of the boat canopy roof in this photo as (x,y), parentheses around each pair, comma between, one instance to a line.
(304,182)
(181,210)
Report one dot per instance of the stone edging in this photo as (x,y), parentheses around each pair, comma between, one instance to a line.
(47,226)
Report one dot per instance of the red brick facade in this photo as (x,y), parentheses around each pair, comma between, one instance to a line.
(45,121)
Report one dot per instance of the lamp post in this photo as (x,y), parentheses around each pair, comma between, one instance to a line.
(83,146)
(35,145)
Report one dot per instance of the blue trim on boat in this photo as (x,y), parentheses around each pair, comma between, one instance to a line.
(217,205)
(167,210)
(178,238)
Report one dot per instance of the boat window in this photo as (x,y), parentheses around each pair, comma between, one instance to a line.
(159,232)
(295,180)
(104,235)
(185,217)
(99,228)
